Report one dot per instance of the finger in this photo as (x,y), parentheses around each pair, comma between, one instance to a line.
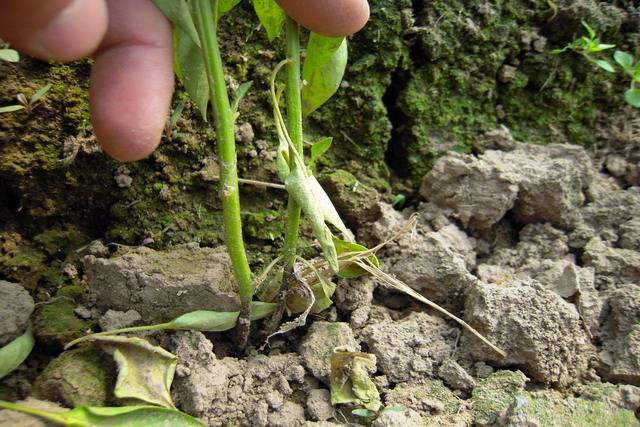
(328,17)
(132,80)
(61,30)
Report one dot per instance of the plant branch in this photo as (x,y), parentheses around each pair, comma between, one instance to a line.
(294,121)
(207,23)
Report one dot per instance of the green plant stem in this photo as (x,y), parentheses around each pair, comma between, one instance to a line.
(294,124)
(207,23)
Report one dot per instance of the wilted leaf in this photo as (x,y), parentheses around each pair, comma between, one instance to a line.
(322,291)
(177,11)
(350,380)
(9,55)
(317,206)
(192,70)
(322,70)
(133,416)
(145,372)
(632,96)
(624,59)
(13,354)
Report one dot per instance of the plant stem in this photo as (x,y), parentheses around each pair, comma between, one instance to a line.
(294,122)
(207,23)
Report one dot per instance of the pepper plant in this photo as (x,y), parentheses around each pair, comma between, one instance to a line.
(199,65)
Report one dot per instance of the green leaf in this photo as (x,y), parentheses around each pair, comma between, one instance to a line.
(624,59)
(13,354)
(225,6)
(177,11)
(352,271)
(11,108)
(271,17)
(602,63)
(192,68)
(350,381)
(592,33)
(145,372)
(131,416)
(320,147)
(240,93)
(205,320)
(9,55)
(39,94)
(632,96)
(364,413)
(260,310)
(322,70)
(601,46)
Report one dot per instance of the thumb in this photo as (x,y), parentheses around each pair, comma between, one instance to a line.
(54,29)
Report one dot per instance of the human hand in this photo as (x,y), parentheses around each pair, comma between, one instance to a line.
(130,41)
(132,77)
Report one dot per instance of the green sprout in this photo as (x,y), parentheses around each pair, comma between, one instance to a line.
(587,47)
(590,46)
(26,104)
(631,67)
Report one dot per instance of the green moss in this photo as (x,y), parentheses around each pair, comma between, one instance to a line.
(77,377)
(552,408)
(56,324)
(493,395)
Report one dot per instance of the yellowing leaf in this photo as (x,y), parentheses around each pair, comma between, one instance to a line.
(145,372)
(350,381)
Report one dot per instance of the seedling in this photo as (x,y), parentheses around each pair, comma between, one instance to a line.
(27,104)
(631,67)
(587,46)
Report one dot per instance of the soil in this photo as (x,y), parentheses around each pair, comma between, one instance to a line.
(523,169)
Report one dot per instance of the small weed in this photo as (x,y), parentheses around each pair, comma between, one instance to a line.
(26,104)
(587,47)
(590,46)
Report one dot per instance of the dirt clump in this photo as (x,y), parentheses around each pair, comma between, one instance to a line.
(258,391)
(16,306)
(151,282)
(410,348)
(540,331)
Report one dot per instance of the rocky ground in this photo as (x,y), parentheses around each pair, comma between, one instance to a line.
(537,247)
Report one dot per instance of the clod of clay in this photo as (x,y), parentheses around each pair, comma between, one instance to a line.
(163,285)
(16,305)
(538,330)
